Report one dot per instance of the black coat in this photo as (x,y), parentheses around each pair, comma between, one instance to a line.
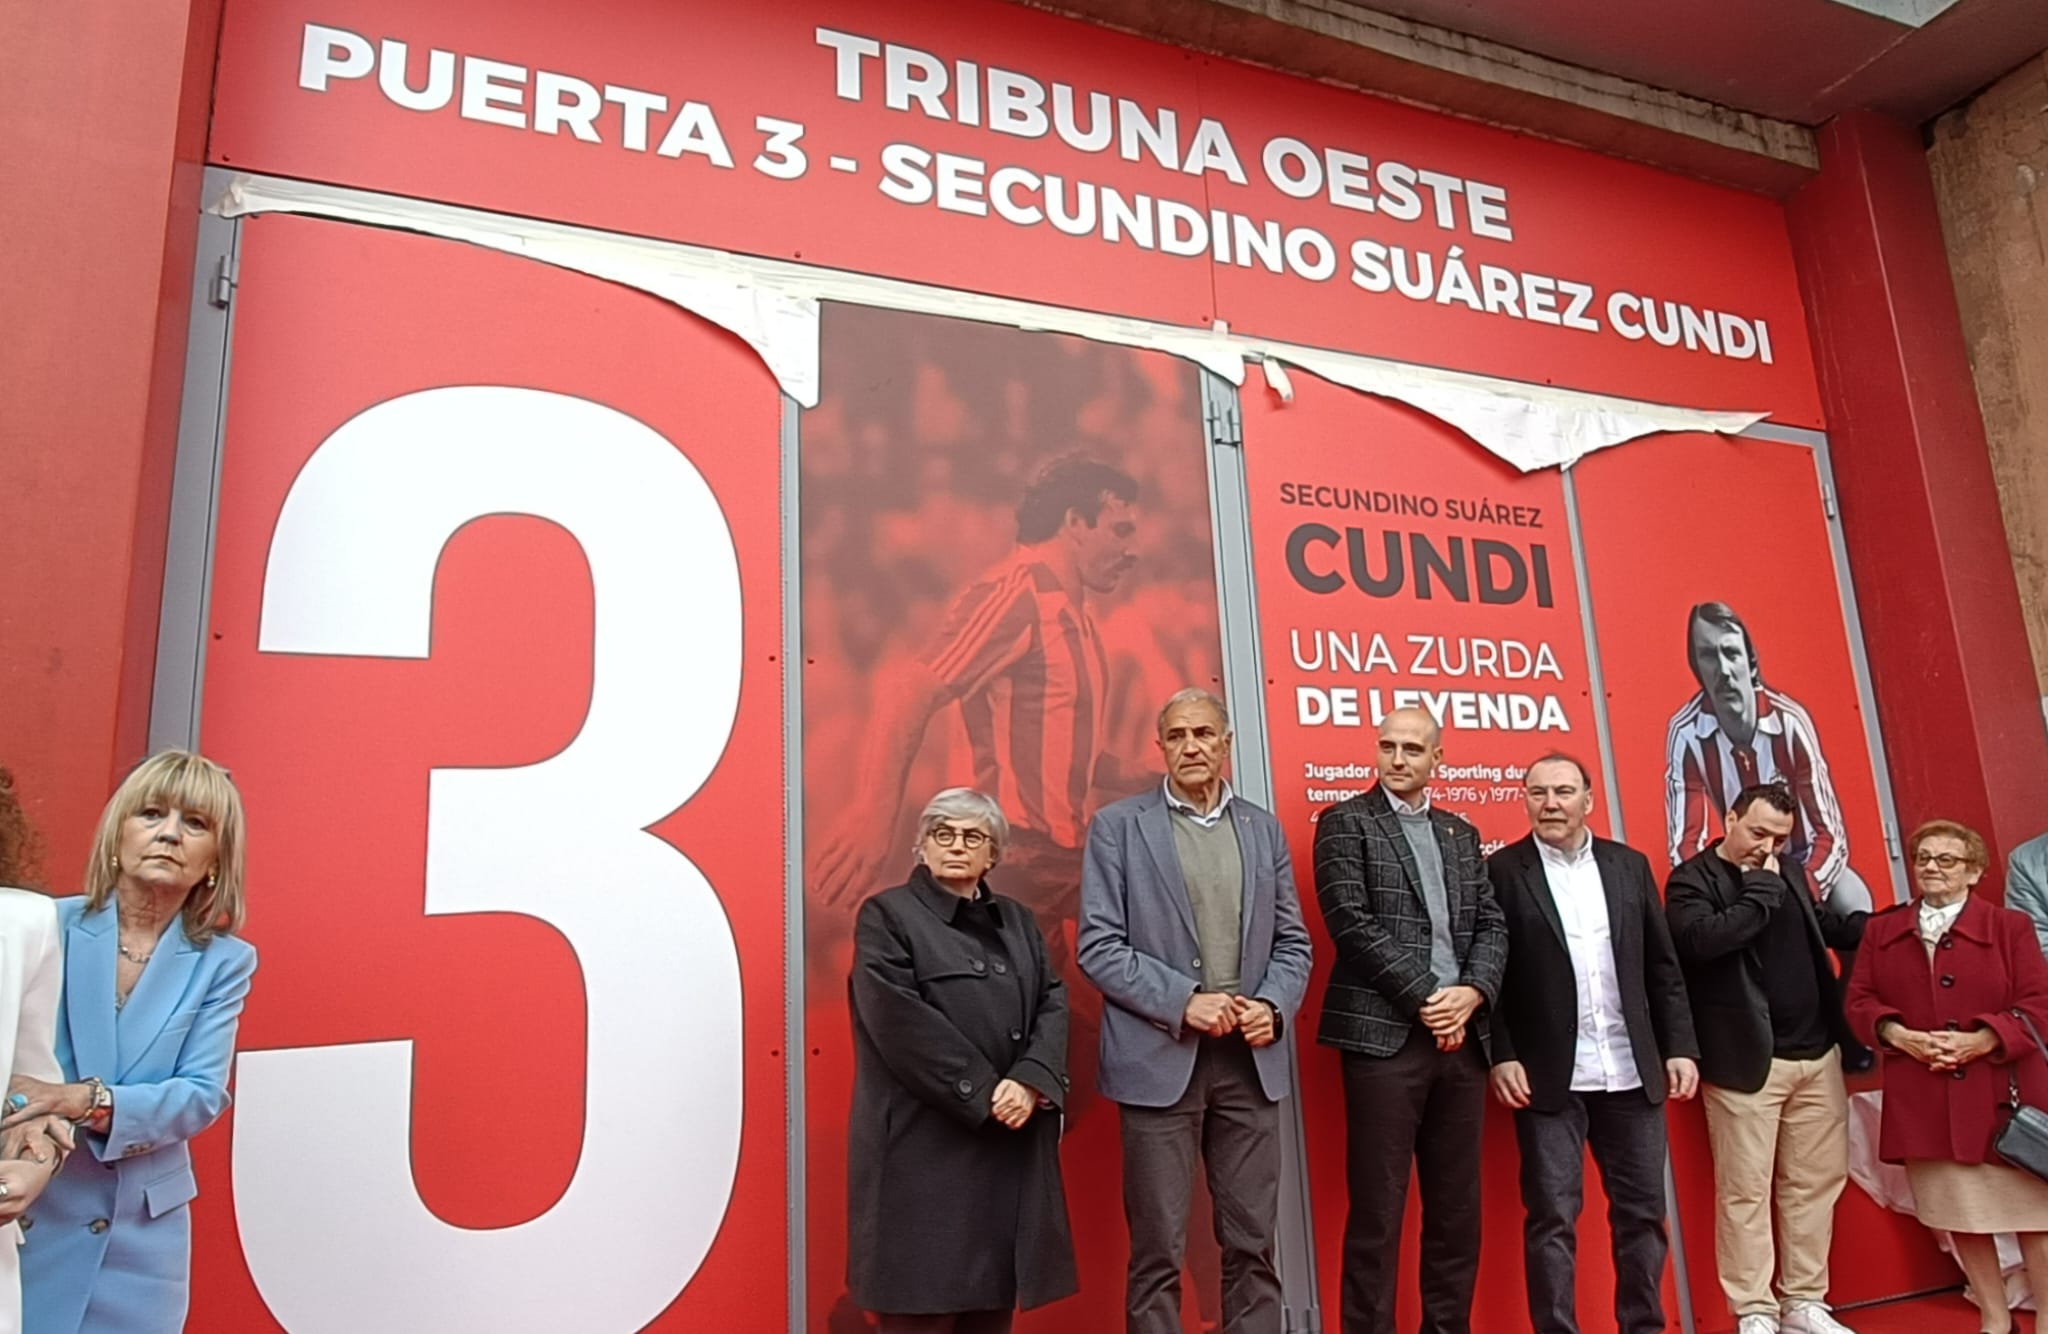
(1536,1021)
(1717,911)
(1370,891)
(947,1209)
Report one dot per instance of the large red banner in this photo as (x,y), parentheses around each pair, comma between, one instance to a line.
(493,654)
(1726,591)
(952,638)
(985,146)
(1723,635)
(1398,565)
(497,578)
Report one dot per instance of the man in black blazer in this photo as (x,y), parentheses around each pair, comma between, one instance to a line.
(1420,948)
(1754,945)
(1592,1033)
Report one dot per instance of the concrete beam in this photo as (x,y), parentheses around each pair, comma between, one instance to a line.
(1990,165)
(1347,44)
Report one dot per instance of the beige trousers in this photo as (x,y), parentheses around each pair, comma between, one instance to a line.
(1785,1144)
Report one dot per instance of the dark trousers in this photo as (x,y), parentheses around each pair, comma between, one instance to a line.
(1226,1117)
(1428,1106)
(1626,1131)
(963,1322)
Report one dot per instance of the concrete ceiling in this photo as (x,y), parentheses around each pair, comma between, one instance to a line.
(1795,60)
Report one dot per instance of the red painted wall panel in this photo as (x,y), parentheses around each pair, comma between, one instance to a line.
(105,121)
(585,1018)
(1941,616)
(1335,461)
(1645,573)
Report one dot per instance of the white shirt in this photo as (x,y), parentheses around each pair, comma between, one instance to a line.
(1602,1061)
(1206,819)
(1935,922)
(1403,808)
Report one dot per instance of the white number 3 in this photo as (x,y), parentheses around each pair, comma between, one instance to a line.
(336,1236)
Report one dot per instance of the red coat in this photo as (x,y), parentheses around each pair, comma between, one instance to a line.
(1988,965)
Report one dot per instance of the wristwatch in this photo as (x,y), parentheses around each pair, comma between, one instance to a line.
(102,1100)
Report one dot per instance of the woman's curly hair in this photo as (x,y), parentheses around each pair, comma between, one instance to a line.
(21,848)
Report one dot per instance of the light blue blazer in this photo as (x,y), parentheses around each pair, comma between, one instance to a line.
(2026,884)
(1137,945)
(108,1247)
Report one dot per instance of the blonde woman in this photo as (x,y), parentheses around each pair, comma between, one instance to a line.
(153,989)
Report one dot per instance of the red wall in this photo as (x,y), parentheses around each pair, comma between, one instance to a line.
(1949,657)
(104,138)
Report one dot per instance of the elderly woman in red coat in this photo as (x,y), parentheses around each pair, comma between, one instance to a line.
(1939,987)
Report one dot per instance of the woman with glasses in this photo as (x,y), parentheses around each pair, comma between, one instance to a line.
(1947,986)
(956,1215)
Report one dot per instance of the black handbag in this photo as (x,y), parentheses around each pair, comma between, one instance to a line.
(2023,1140)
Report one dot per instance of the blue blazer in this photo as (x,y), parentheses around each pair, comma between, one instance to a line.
(2026,884)
(1137,945)
(108,1246)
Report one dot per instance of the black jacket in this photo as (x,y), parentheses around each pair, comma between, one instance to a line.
(1370,891)
(1536,1021)
(947,1209)
(1717,911)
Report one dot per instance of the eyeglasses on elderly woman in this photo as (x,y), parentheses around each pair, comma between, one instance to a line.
(947,836)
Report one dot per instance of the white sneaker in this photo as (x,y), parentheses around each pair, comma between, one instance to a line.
(1757,1324)
(1811,1318)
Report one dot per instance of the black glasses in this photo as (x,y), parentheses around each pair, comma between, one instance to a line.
(946,836)
(1944,861)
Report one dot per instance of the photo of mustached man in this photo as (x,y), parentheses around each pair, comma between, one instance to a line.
(1737,732)
(1006,561)
(1021,657)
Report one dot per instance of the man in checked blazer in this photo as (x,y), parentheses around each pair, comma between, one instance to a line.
(1421,947)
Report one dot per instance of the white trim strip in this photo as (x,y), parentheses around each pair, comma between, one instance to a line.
(772,305)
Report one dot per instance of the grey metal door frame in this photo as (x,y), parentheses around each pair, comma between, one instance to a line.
(195,483)
(1244,693)
(795,1054)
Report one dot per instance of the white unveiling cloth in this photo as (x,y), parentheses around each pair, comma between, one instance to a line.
(1886,1183)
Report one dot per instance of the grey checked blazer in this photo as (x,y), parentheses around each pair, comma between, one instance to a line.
(1371,896)
(1137,945)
